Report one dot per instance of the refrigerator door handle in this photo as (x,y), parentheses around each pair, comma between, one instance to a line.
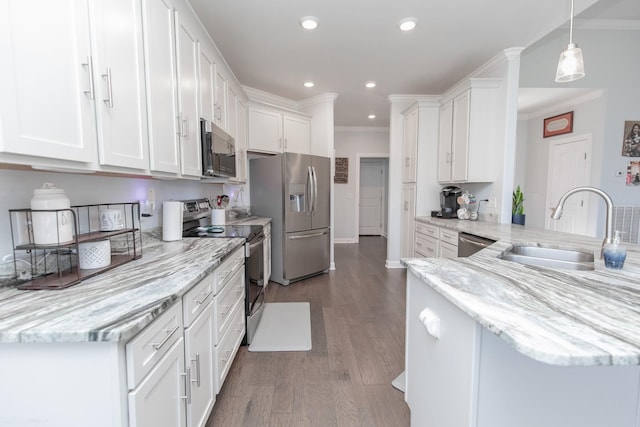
(311,189)
(315,188)
(307,236)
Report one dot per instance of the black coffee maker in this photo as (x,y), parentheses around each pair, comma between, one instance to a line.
(449,202)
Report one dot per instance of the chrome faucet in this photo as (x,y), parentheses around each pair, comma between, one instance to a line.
(556,213)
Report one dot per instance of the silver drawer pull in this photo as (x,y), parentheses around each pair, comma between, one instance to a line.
(187,385)
(197,360)
(200,301)
(227,308)
(169,332)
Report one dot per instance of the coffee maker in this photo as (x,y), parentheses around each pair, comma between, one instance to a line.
(448,202)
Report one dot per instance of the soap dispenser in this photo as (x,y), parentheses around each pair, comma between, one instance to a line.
(615,253)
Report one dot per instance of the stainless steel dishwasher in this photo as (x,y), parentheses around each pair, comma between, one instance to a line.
(469,244)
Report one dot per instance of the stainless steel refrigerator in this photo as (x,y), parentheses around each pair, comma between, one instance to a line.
(294,191)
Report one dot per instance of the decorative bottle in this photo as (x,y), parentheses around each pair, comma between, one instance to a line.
(614,253)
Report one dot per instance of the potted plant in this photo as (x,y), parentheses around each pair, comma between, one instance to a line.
(517,207)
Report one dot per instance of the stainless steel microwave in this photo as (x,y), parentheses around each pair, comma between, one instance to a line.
(218,151)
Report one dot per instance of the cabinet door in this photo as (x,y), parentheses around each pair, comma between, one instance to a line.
(207,79)
(162,104)
(119,83)
(47,101)
(221,100)
(187,48)
(439,370)
(460,137)
(297,135)
(410,147)
(232,111)
(241,144)
(267,253)
(199,359)
(444,142)
(447,250)
(158,401)
(265,130)
(408,200)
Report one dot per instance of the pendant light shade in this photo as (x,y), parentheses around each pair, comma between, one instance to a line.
(571,64)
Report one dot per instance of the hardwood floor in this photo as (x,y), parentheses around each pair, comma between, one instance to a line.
(357,323)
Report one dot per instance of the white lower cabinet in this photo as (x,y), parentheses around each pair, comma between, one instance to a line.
(432,241)
(158,400)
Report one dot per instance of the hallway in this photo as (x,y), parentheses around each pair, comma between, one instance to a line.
(358,323)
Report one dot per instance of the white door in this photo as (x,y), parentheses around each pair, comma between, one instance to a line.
(569,167)
(371,194)
(297,134)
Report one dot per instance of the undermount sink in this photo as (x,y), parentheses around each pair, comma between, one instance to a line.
(550,257)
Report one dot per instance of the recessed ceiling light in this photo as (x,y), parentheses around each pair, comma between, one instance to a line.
(371,116)
(370,85)
(408,24)
(309,84)
(309,22)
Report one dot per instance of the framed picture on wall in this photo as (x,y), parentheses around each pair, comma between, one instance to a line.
(631,142)
(558,125)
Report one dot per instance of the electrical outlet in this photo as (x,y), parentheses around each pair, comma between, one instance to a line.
(493,202)
(619,173)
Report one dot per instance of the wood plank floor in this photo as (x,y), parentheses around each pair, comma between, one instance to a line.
(357,323)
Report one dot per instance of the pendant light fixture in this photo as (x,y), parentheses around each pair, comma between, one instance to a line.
(570,65)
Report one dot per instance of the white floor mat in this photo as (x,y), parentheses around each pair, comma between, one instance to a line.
(284,326)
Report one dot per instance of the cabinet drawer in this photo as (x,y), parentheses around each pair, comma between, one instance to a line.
(148,347)
(448,250)
(228,347)
(225,271)
(449,236)
(194,301)
(427,229)
(426,246)
(225,304)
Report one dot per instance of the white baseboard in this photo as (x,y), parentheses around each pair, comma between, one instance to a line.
(393,264)
(345,240)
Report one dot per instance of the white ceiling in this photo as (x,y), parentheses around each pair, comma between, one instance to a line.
(358,41)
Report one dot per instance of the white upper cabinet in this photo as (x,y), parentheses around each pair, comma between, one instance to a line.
(187,48)
(48,90)
(241,144)
(273,131)
(207,85)
(466,143)
(410,146)
(220,105)
(162,104)
(232,111)
(119,83)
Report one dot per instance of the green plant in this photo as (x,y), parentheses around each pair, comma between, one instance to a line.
(517,206)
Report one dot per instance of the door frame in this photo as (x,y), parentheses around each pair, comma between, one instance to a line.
(359,157)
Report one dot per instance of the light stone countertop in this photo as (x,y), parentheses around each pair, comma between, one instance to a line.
(555,316)
(117,304)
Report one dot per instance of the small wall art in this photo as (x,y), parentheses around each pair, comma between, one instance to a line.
(558,125)
(631,142)
(342,170)
(633,174)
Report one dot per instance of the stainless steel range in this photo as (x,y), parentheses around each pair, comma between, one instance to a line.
(195,223)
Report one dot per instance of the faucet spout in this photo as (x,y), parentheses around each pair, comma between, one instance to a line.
(557,211)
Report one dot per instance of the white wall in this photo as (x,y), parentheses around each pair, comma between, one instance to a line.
(610,65)
(354,143)
(16,191)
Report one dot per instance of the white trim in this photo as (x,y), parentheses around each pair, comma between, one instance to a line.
(394,264)
(605,24)
(568,103)
(362,129)
(345,240)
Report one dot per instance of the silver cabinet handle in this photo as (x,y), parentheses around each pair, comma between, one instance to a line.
(200,301)
(306,236)
(89,65)
(185,127)
(285,143)
(407,161)
(279,142)
(197,360)
(187,385)
(169,332)
(109,100)
(178,125)
(448,157)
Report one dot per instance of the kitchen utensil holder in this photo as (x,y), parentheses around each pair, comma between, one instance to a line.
(57,266)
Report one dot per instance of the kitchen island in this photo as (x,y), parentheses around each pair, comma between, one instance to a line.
(496,343)
(64,355)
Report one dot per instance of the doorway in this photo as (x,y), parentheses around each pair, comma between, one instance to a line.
(372,196)
(570,167)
